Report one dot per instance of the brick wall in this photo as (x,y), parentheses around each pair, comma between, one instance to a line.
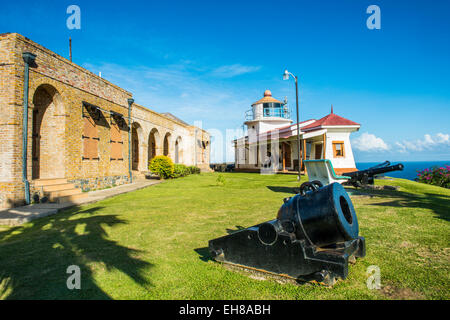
(58,90)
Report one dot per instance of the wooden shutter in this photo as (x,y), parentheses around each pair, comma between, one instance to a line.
(116,141)
(90,138)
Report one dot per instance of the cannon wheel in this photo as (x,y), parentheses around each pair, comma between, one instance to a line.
(317,183)
(310,186)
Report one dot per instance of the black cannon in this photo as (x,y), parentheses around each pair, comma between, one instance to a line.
(312,239)
(365,177)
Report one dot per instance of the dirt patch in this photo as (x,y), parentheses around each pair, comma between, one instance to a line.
(401,293)
(406,244)
(256,277)
(440,255)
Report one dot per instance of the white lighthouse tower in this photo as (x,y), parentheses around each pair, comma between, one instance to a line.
(267,114)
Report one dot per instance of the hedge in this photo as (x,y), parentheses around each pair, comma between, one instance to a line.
(162,166)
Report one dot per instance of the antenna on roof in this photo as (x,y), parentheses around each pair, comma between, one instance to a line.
(331,108)
(285,100)
(70,48)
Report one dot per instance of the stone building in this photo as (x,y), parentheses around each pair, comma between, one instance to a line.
(78,129)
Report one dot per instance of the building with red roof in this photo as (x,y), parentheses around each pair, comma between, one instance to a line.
(271,141)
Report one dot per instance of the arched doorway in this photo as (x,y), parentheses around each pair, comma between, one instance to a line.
(178,151)
(153,144)
(167,140)
(48,130)
(136,133)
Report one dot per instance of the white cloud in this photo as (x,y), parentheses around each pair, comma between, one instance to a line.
(443,138)
(428,142)
(369,142)
(400,147)
(233,70)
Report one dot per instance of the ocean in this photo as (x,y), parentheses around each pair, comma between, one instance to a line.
(409,171)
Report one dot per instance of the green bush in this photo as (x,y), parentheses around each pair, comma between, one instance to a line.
(194,169)
(180,170)
(162,166)
(220,181)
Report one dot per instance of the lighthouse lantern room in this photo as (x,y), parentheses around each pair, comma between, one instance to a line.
(266,114)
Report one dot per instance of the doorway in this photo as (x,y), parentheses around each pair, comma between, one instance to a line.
(48,131)
(318,152)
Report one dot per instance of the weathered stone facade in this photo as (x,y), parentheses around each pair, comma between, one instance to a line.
(61,97)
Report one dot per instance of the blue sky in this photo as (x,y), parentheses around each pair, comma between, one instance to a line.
(209,60)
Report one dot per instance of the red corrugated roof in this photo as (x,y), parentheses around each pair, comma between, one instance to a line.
(330,120)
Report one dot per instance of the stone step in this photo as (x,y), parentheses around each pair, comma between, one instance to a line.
(49,182)
(72,198)
(204,168)
(139,175)
(54,195)
(58,187)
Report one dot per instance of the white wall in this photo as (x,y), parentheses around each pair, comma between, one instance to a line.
(269,124)
(348,160)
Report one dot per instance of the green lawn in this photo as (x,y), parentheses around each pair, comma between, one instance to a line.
(151,244)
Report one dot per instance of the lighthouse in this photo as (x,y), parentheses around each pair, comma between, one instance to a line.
(267,114)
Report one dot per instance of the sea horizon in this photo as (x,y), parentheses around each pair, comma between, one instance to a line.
(410,169)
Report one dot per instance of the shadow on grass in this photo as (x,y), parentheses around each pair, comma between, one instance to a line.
(34,258)
(439,204)
(204,254)
(293,190)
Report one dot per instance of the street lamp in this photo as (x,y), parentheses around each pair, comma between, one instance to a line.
(286,75)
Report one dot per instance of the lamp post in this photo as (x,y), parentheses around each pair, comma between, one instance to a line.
(130,125)
(286,75)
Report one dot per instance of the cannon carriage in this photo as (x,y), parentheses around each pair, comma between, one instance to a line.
(365,177)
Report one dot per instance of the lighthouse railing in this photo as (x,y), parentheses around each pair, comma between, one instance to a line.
(249,115)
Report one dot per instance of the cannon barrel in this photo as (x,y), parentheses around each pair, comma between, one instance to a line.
(313,235)
(323,217)
(364,177)
(383,164)
(375,171)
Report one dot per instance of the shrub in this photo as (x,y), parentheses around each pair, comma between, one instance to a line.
(162,166)
(438,176)
(180,170)
(220,181)
(194,169)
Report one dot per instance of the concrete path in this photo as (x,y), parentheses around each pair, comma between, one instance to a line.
(20,215)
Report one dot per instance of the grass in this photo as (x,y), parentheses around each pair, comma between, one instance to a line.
(151,243)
